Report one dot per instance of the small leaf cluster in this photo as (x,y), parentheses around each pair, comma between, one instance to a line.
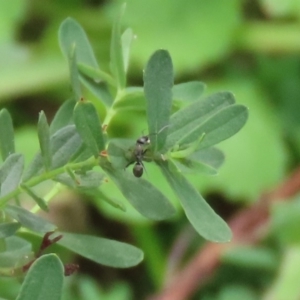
(77,151)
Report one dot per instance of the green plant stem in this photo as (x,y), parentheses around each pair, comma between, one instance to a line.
(111,111)
(91,162)
(54,191)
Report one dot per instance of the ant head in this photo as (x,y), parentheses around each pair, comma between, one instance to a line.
(143,140)
(138,170)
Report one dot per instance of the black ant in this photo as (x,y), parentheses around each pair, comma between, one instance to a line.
(139,152)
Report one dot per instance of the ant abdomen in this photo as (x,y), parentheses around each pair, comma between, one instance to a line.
(138,170)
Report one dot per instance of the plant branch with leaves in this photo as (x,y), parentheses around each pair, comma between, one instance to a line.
(77,151)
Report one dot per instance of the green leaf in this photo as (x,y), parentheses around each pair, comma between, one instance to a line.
(188,91)
(44,279)
(88,125)
(82,154)
(187,149)
(39,201)
(126,39)
(206,161)
(132,99)
(206,222)
(11,172)
(64,116)
(44,139)
(8,229)
(158,83)
(99,89)
(96,74)
(71,33)
(34,168)
(116,55)
(98,194)
(190,166)
(7,143)
(143,196)
(74,74)
(88,180)
(118,151)
(64,144)
(17,251)
(187,119)
(103,251)
(28,219)
(210,156)
(219,127)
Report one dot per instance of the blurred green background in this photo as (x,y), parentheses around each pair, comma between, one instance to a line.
(250,47)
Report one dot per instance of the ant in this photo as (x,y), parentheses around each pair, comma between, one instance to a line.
(139,152)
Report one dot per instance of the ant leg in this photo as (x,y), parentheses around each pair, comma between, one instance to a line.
(130,163)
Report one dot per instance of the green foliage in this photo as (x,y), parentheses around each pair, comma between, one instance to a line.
(6,134)
(206,222)
(89,127)
(158,83)
(41,284)
(77,150)
(103,251)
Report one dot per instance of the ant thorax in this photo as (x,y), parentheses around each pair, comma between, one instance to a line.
(138,154)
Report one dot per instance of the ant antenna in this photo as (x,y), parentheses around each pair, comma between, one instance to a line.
(160,130)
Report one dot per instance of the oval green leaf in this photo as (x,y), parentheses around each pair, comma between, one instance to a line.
(8,229)
(186,120)
(88,180)
(190,166)
(64,144)
(7,142)
(103,251)
(28,219)
(96,74)
(219,127)
(132,99)
(206,161)
(188,91)
(126,40)
(88,125)
(99,89)
(34,168)
(119,151)
(17,251)
(71,33)
(206,222)
(63,117)
(44,279)
(12,172)
(39,201)
(143,196)
(116,54)
(158,83)
(74,74)
(44,140)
